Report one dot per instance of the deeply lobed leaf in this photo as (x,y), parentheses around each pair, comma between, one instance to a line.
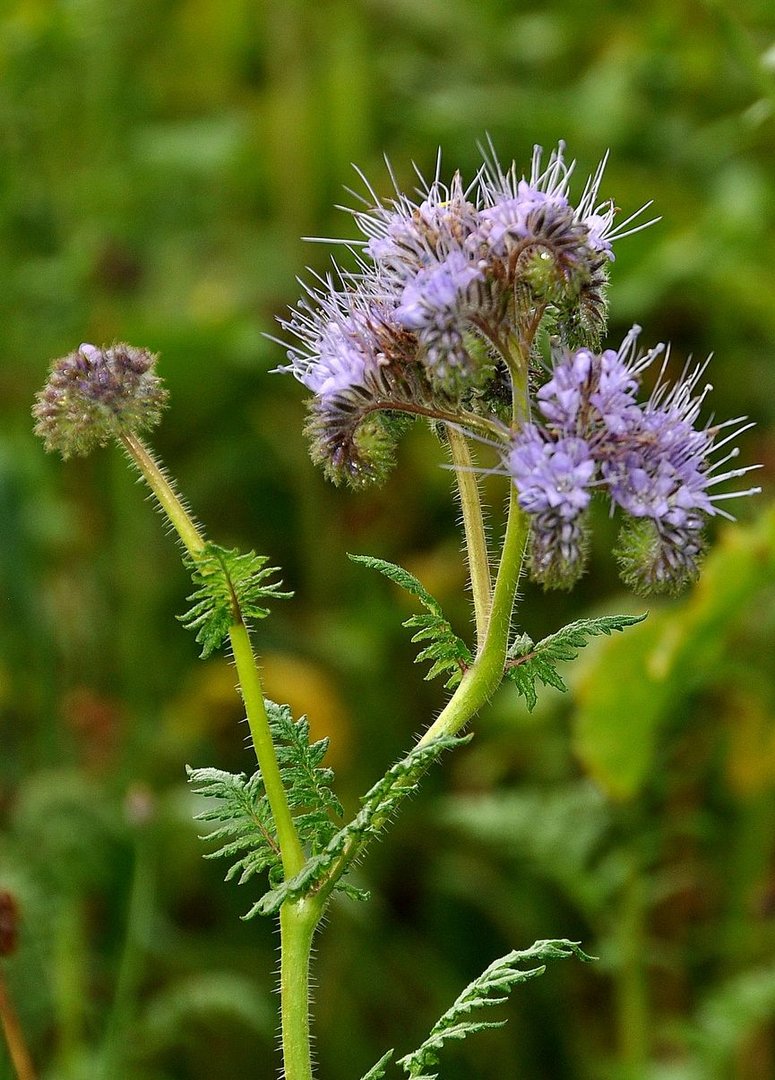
(449,655)
(229,586)
(527,663)
(245,830)
(490,988)
(378,804)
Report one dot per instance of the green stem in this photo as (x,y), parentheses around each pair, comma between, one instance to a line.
(486,673)
(483,677)
(473,525)
(291,851)
(297,928)
(298,920)
(164,490)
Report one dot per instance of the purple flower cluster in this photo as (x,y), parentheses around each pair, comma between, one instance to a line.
(441,318)
(95,395)
(650,458)
(441,284)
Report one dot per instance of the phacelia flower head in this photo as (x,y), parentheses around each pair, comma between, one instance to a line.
(94,395)
(651,459)
(435,316)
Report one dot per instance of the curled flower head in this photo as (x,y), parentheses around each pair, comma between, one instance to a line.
(361,365)
(651,459)
(436,317)
(94,395)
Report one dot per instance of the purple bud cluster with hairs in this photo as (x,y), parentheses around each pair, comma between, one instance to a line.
(441,283)
(95,395)
(652,461)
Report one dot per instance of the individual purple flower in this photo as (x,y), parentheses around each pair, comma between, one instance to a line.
(341,338)
(94,395)
(560,400)
(594,395)
(514,218)
(361,365)
(617,381)
(550,476)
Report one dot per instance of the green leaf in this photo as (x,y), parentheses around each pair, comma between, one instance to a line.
(377,807)
(307,784)
(527,663)
(245,830)
(634,684)
(229,586)
(491,988)
(449,655)
(377,1072)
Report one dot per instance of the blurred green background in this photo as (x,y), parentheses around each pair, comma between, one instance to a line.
(159,161)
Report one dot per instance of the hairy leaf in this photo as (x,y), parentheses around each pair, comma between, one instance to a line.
(307,784)
(229,586)
(377,1072)
(377,806)
(527,663)
(447,653)
(491,988)
(245,830)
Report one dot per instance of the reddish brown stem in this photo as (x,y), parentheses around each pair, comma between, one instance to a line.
(14,1037)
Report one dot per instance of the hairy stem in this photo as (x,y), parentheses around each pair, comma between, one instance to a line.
(164,490)
(473,525)
(484,676)
(250,681)
(486,673)
(291,851)
(297,921)
(297,927)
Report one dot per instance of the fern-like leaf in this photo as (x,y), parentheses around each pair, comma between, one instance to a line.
(446,652)
(491,988)
(245,830)
(527,663)
(307,784)
(228,586)
(377,1071)
(377,806)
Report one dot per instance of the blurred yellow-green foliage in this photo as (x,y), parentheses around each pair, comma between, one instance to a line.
(159,161)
